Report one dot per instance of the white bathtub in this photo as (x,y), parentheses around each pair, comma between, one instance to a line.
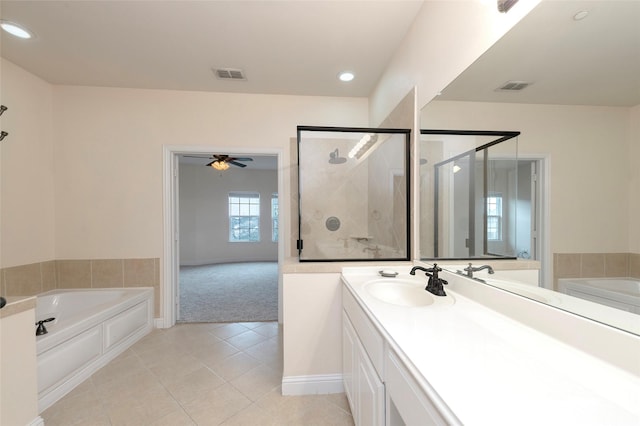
(621,293)
(91,327)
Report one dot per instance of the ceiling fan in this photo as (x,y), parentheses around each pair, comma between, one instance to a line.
(222,161)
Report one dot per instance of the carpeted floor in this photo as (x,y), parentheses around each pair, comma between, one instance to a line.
(229,292)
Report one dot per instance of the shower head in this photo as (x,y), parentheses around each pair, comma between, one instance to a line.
(334,158)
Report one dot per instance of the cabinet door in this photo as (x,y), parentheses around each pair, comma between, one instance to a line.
(370,392)
(349,362)
(407,403)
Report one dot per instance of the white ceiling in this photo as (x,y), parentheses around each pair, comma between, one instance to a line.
(292,47)
(298,47)
(595,61)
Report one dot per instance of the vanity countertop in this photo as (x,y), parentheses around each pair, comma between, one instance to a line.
(491,369)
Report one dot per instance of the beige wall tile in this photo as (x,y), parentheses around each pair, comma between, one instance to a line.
(634,265)
(24,280)
(616,264)
(144,273)
(73,273)
(106,273)
(566,265)
(139,272)
(48,275)
(592,265)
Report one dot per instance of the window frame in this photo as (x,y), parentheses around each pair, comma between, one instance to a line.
(253,228)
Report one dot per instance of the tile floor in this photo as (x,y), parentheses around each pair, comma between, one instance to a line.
(197,374)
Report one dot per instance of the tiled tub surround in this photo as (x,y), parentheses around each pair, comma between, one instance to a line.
(36,278)
(489,353)
(595,265)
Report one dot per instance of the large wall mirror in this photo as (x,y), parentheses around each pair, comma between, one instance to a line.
(568,78)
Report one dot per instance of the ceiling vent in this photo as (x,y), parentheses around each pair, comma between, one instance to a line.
(514,86)
(229,74)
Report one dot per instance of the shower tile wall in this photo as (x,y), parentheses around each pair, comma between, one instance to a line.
(31,279)
(338,190)
(387,220)
(595,265)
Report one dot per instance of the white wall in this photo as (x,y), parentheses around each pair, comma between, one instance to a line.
(312,325)
(588,149)
(18,378)
(26,154)
(108,152)
(445,38)
(634,179)
(204,215)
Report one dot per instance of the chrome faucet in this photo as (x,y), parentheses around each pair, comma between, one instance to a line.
(470,269)
(434,286)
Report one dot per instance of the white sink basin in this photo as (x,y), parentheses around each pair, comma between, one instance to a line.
(401,292)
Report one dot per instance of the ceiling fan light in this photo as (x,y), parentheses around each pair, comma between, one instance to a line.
(220,165)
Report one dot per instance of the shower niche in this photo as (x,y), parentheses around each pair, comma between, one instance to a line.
(353,186)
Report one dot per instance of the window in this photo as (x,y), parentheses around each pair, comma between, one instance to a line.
(244,217)
(274,217)
(494,217)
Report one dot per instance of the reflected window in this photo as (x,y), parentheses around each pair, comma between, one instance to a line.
(244,217)
(494,217)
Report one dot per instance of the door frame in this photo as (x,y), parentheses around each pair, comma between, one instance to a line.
(543,216)
(171,235)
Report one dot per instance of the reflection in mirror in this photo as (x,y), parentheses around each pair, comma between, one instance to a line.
(469,182)
(353,194)
(578,117)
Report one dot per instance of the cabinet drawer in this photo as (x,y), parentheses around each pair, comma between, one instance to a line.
(371,340)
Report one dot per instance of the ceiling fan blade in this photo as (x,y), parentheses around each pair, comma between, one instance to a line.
(235,163)
(242,159)
(209,165)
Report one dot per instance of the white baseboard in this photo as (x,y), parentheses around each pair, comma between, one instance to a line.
(38,421)
(312,385)
(158,322)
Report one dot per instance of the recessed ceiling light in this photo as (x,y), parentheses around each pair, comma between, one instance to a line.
(15,29)
(346,76)
(579,16)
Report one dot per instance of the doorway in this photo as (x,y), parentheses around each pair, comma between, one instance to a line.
(200,254)
(228,241)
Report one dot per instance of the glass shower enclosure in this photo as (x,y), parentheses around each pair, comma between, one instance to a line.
(353,187)
(469,194)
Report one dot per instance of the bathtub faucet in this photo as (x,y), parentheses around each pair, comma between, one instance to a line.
(470,269)
(41,328)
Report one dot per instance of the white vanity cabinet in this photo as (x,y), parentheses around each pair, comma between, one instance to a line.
(362,382)
(380,388)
